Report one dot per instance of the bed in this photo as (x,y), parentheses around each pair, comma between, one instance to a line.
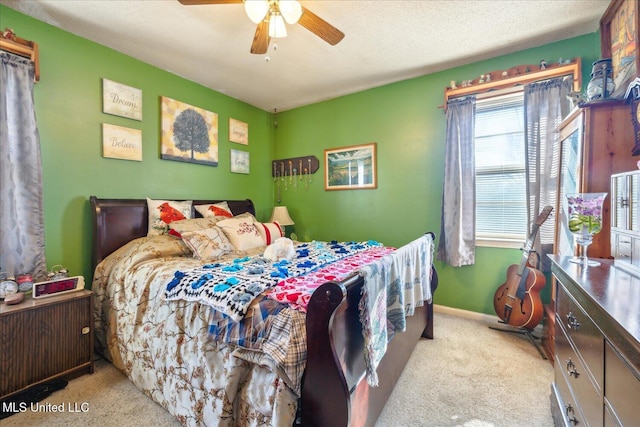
(164,346)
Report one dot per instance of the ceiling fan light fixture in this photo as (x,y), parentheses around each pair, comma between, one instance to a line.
(291,10)
(256,9)
(277,28)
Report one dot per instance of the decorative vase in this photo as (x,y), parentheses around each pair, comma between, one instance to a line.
(585,220)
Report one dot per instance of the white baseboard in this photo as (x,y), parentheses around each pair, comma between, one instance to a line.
(472,315)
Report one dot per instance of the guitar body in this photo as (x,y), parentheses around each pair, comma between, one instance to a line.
(525,312)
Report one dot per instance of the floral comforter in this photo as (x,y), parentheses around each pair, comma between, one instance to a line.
(203,365)
(164,346)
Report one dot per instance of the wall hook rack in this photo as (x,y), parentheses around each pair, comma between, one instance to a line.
(294,166)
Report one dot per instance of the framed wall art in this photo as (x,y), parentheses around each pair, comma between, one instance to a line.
(350,168)
(619,41)
(239,161)
(121,143)
(189,134)
(238,132)
(121,100)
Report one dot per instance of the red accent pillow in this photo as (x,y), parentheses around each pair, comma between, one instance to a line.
(269,231)
(216,209)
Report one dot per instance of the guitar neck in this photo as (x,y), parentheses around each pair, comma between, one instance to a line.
(526,250)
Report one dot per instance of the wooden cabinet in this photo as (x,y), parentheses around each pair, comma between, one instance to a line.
(597,341)
(595,143)
(44,339)
(605,135)
(625,219)
(608,141)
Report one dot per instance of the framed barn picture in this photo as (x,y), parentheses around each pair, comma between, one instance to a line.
(351,168)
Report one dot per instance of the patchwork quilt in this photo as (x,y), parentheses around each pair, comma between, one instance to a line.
(230,287)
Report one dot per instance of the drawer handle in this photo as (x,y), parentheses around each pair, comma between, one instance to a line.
(571,369)
(86,330)
(571,414)
(572,321)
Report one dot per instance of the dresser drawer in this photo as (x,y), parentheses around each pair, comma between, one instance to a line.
(583,333)
(587,393)
(568,408)
(622,388)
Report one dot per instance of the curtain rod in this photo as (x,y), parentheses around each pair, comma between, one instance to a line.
(9,42)
(518,75)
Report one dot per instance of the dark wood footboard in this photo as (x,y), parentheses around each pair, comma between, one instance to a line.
(335,391)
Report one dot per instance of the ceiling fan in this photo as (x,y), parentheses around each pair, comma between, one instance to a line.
(270,15)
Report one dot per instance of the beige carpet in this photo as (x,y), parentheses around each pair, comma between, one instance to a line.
(469,375)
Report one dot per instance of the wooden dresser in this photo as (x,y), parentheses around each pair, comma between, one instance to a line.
(597,345)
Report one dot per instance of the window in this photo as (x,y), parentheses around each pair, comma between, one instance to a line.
(501,202)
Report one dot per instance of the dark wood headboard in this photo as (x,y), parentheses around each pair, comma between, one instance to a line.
(118,221)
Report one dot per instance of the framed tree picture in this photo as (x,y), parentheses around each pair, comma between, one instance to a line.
(351,168)
(189,134)
(619,41)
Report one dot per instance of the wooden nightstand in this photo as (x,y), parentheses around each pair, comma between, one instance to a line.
(45,339)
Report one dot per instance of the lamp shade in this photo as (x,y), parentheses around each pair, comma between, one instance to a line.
(256,9)
(291,10)
(277,29)
(281,216)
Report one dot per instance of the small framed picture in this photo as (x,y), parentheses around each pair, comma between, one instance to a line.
(238,132)
(121,100)
(121,143)
(350,168)
(239,161)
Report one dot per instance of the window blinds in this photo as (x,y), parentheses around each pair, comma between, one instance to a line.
(501,205)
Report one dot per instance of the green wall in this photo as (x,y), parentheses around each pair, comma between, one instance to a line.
(402,118)
(409,129)
(69,112)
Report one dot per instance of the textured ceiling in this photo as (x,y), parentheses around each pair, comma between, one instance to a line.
(385,41)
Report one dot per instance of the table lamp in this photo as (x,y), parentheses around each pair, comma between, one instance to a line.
(281,216)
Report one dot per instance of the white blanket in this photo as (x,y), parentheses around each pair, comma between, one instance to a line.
(394,286)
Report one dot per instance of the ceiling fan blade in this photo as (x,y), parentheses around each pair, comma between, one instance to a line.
(320,27)
(197,2)
(261,39)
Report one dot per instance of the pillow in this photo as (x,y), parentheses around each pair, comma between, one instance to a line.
(216,209)
(164,212)
(193,224)
(246,215)
(207,243)
(269,231)
(242,232)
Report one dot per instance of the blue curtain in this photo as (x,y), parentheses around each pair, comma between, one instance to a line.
(545,105)
(21,214)
(458,221)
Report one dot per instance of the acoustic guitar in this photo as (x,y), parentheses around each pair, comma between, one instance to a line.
(517,301)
